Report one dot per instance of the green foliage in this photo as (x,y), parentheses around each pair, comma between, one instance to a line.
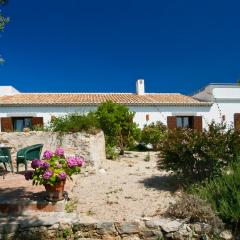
(71,205)
(111,152)
(223,194)
(153,134)
(196,155)
(76,123)
(3,22)
(116,121)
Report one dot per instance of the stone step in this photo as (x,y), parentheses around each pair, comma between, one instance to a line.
(30,219)
(20,206)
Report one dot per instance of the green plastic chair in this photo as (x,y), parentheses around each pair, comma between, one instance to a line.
(5,157)
(28,154)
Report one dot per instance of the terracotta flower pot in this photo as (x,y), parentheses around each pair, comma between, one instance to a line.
(55,193)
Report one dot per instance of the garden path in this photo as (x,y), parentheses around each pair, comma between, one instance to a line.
(125,189)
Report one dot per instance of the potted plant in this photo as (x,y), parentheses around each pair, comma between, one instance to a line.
(52,172)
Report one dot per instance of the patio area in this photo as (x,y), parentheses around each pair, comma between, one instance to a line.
(18,196)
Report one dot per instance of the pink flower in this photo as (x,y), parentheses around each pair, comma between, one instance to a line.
(47,154)
(71,162)
(59,151)
(47,174)
(36,163)
(28,175)
(62,175)
(80,161)
(75,161)
(45,164)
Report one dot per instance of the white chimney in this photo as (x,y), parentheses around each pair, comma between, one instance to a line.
(140,89)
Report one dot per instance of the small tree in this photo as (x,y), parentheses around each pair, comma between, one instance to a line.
(153,134)
(116,121)
(3,22)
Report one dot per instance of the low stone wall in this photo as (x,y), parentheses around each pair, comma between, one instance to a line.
(69,226)
(91,147)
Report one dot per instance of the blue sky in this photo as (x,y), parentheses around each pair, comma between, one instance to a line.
(104,46)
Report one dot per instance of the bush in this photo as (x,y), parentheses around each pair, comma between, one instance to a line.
(195,210)
(153,134)
(111,152)
(223,194)
(76,123)
(196,156)
(116,121)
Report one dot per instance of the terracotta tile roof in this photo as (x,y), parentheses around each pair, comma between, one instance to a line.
(69,99)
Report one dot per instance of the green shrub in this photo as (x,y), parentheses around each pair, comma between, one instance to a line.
(111,152)
(223,193)
(76,123)
(116,121)
(153,134)
(195,155)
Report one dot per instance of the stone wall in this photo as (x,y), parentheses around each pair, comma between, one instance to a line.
(70,226)
(91,147)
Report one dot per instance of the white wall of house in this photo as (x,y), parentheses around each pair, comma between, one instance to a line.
(156,113)
(226,102)
(160,113)
(45,112)
(225,98)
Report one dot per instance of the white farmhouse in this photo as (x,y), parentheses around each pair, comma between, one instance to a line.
(215,102)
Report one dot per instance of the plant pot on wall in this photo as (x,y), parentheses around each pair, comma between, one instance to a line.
(55,193)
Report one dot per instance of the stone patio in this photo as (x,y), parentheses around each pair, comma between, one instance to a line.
(18,196)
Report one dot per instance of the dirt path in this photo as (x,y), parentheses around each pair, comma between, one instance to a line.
(125,189)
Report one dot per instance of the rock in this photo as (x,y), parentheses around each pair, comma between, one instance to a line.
(226,235)
(102,171)
(127,227)
(107,237)
(147,234)
(106,228)
(196,228)
(131,238)
(151,224)
(168,225)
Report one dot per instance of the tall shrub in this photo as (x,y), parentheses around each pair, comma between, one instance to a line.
(153,134)
(196,155)
(116,121)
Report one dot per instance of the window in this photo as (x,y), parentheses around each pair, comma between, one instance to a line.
(22,122)
(184,122)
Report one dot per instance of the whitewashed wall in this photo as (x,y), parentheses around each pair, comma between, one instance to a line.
(156,113)
(226,100)
(160,113)
(45,112)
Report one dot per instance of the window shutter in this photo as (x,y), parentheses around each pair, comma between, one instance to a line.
(197,123)
(37,121)
(237,120)
(171,122)
(6,124)
(147,117)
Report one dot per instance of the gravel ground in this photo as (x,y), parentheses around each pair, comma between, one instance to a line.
(126,189)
